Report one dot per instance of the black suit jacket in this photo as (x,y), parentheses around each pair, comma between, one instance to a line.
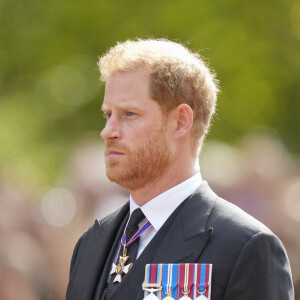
(249,261)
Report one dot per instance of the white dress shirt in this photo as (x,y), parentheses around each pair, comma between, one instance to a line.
(158,209)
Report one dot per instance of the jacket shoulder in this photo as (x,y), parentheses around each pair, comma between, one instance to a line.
(249,260)
(228,217)
(233,228)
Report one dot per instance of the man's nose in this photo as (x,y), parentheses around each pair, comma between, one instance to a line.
(111,129)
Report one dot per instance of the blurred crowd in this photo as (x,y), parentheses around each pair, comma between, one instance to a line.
(39,229)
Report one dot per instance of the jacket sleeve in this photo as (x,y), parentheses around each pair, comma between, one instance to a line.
(75,253)
(262,271)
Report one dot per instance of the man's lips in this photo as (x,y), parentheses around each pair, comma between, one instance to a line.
(114,153)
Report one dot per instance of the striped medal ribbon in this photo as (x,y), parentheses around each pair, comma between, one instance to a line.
(203,276)
(152,285)
(186,281)
(121,268)
(169,281)
(141,230)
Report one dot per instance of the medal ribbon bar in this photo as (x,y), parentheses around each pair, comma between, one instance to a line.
(203,286)
(153,280)
(186,281)
(169,281)
(177,282)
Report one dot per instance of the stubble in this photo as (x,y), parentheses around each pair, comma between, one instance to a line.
(141,166)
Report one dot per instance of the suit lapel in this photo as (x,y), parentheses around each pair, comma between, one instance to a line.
(180,240)
(95,256)
(188,234)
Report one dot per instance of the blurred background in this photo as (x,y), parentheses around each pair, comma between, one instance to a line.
(52,175)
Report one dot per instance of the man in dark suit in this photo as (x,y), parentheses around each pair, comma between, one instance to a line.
(159,100)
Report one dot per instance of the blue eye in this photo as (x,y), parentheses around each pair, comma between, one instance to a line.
(130,114)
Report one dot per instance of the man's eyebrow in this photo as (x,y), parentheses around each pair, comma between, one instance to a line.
(125,106)
(129,107)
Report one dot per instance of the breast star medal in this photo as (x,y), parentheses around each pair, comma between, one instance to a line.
(121,268)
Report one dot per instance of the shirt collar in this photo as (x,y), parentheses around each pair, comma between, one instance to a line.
(158,209)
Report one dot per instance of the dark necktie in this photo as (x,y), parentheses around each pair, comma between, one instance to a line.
(132,227)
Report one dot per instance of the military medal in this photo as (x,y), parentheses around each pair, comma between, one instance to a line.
(177,281)
(152,284)
(202,295)
(120,268)
(169,297)
(203,281)
(186,280)
(185,297)
(169,280)
(151,290)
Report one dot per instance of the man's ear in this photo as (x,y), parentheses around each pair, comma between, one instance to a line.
(183,114)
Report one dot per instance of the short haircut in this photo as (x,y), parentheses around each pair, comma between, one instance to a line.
(177,75)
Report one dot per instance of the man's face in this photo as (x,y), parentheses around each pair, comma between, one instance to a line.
(138,149)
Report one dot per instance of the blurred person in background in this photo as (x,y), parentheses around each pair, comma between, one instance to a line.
(24,269)
(159,100)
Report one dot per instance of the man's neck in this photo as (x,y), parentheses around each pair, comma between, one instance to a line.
(169,179)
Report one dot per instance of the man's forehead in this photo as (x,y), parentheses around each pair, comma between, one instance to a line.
(128,89)
(133,77)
